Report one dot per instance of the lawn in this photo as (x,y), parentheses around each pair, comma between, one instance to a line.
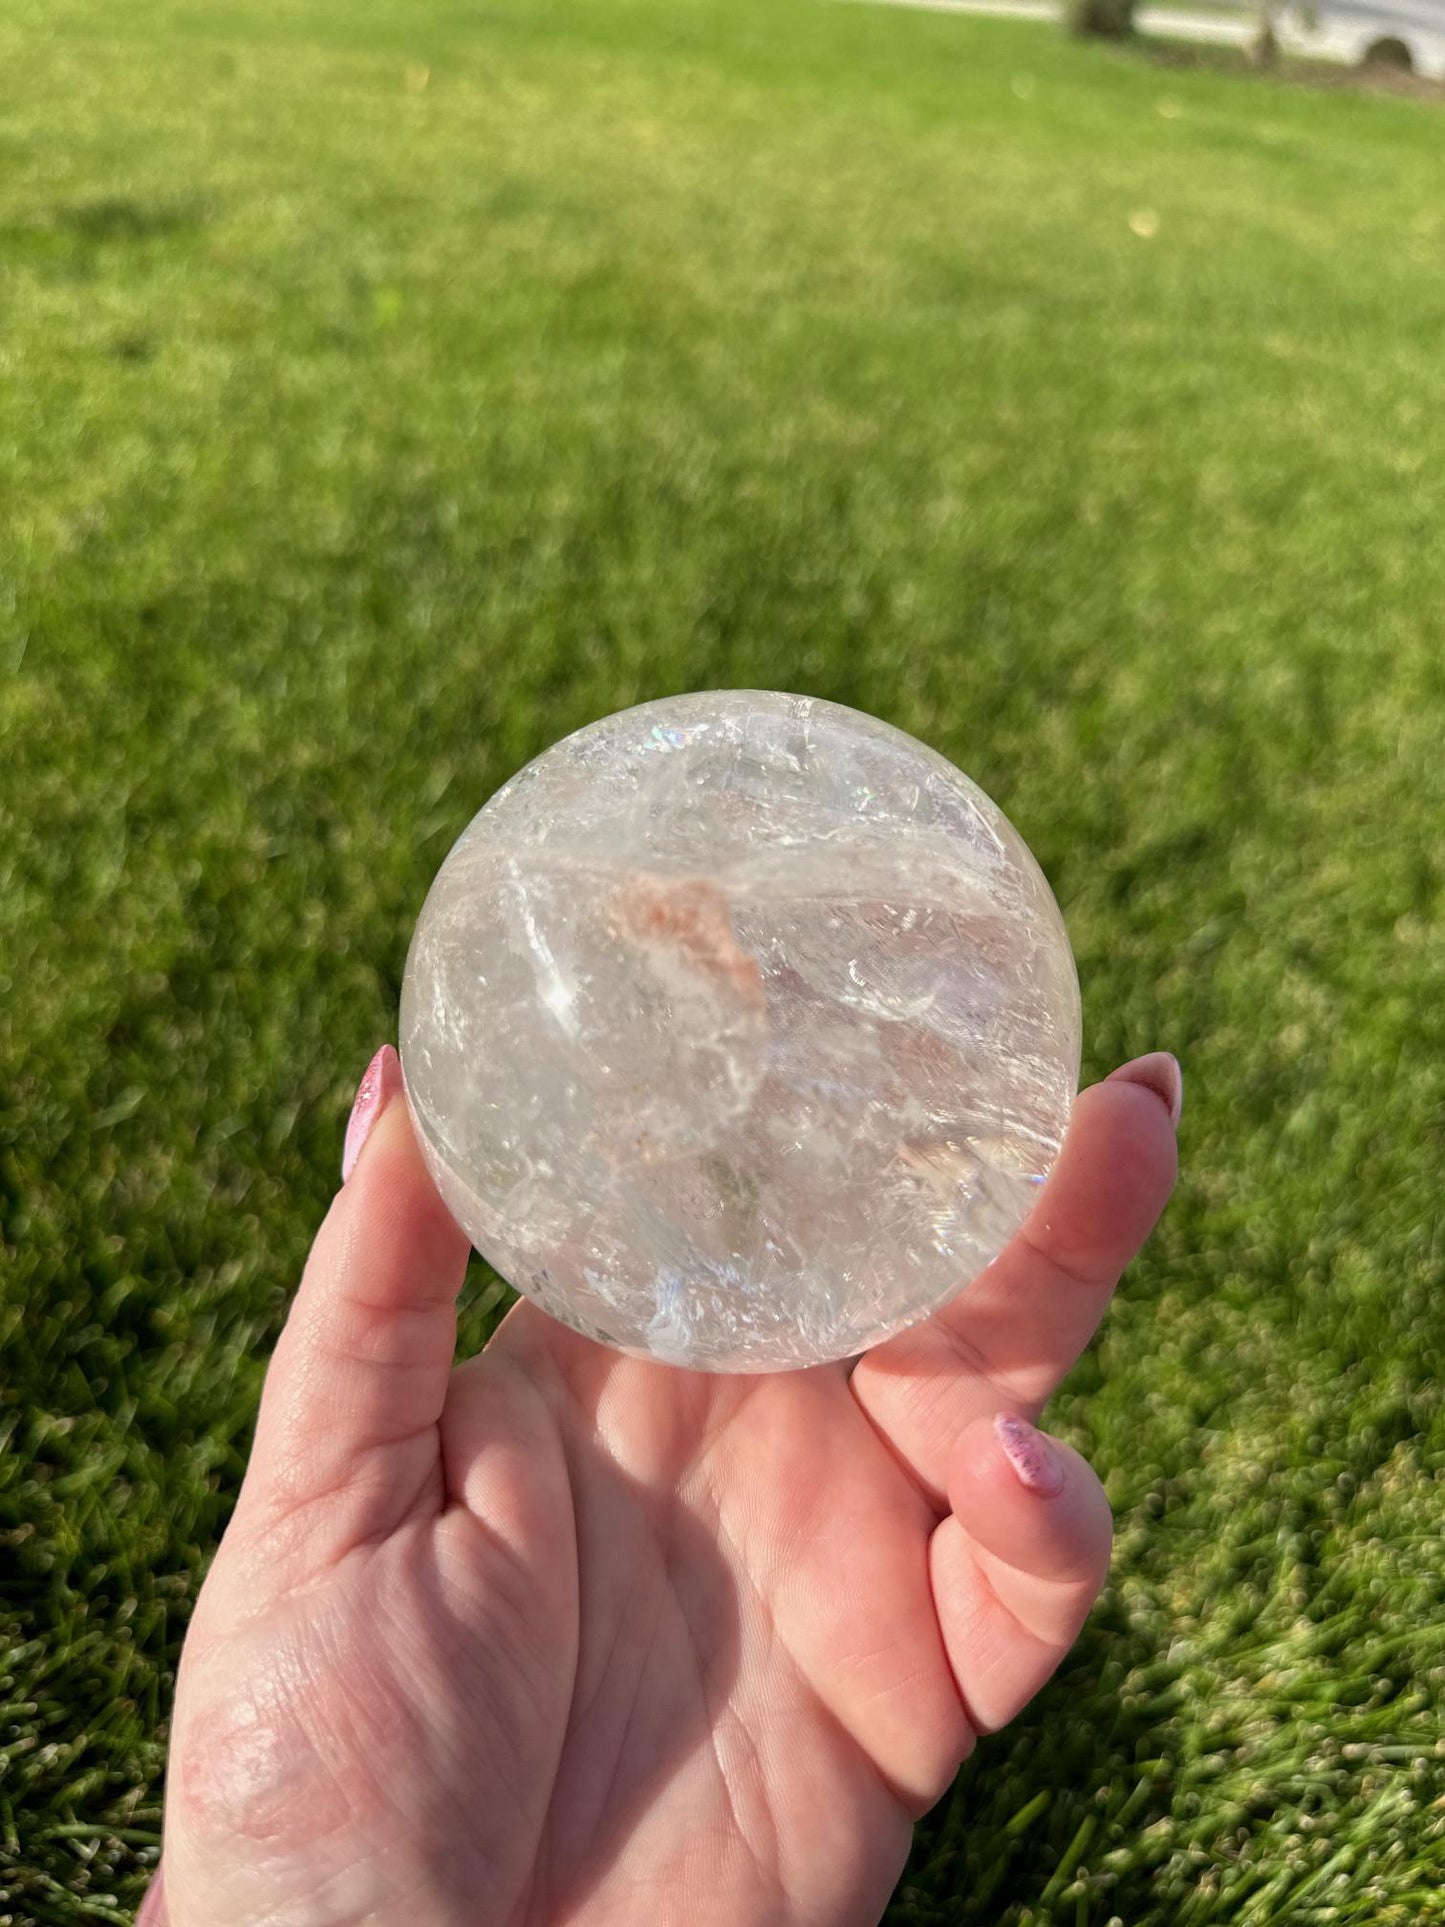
(387,389)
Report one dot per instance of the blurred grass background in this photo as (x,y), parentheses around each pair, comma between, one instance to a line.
(386,390)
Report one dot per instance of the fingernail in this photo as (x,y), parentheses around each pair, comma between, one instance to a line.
(153,1907)
(383,1077)
(1160,1073)
(1031,1455)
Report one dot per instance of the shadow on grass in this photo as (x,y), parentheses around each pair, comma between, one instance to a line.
(102,221)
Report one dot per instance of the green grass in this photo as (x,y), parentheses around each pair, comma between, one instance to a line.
(358,438)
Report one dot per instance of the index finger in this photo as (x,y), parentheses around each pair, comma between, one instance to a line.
(346,1440)
(1006,1342)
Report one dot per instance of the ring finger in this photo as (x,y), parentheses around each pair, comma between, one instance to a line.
(1006,1342)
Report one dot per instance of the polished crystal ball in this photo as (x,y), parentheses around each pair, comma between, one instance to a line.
(740,1030)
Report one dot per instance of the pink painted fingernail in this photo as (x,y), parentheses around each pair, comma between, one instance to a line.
(153,1907)
(1158,1072)
(383,1077)
(1031,1455)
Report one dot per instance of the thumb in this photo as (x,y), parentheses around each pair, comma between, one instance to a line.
(346,1441)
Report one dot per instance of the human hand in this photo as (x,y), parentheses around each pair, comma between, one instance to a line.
(563,1636)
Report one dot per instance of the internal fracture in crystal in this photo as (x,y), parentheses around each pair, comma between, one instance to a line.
(740,1030)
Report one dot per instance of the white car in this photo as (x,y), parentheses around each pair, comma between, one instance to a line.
(1400,33)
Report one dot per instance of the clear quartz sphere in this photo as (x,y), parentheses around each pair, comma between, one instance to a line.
(739,1030)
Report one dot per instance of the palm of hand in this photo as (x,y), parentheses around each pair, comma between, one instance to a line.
(604,1641)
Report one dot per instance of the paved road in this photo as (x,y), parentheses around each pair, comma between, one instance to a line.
(1345,27)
